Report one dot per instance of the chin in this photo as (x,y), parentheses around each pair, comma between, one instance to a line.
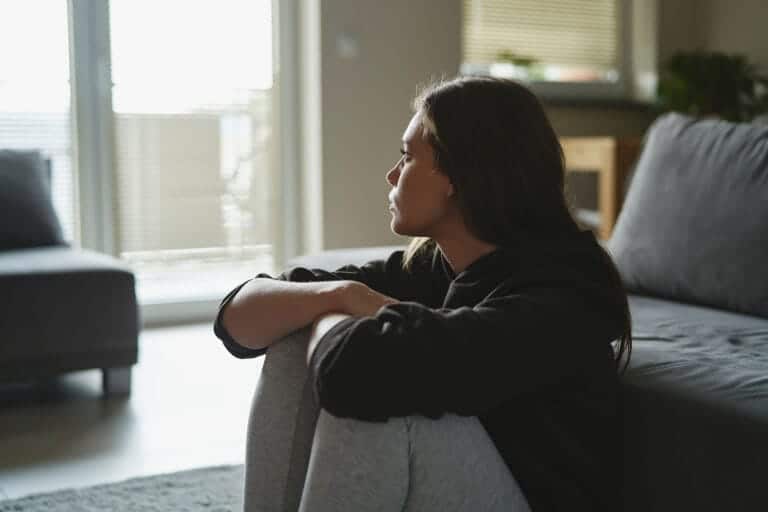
(398,228)
(402,229)
(395,228)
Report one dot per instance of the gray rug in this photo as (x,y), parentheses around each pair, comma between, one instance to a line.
(213,489)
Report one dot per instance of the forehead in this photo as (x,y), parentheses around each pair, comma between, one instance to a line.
(413,133)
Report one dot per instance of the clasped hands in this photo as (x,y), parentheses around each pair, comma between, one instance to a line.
(354,299)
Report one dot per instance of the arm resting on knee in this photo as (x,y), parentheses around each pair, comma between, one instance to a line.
(265,310)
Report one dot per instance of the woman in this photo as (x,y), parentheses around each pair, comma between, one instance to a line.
(500,330)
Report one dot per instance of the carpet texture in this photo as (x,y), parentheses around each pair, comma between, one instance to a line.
(213,489)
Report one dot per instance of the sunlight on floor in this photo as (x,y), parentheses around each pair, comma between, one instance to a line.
(189,408)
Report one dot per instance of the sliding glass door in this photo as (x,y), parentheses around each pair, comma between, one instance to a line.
(195,187)
(158,117)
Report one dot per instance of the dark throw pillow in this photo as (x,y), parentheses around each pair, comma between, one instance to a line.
(28,218)
(694,226)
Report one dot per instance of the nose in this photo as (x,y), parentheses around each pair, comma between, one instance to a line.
(393,175)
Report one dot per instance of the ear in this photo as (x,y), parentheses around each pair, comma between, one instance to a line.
(451,190)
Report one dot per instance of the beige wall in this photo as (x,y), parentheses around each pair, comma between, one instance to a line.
(737,26)
(680,26)
(731,26)
(400,43)
(365,102)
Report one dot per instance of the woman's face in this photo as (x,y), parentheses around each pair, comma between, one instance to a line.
(421,196)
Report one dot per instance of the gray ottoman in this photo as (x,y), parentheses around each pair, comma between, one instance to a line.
(66,309)
(62,308)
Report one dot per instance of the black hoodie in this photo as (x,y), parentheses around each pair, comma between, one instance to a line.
(521,339)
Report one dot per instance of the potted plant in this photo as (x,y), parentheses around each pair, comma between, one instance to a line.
(712,84)
(513,65)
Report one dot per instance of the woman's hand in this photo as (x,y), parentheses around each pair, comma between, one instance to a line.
(357,299)
(353,299)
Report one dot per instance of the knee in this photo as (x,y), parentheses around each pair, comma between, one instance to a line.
(415,432)
(351,433)
(449,430)
(455,465)
(363,448)
(452,445)
(357,465)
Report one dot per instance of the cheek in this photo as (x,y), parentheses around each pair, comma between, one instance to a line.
(421,193)
(420,209)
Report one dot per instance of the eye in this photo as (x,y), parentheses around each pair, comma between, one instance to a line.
(405,155)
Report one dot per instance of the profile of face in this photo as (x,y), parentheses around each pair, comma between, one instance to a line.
(421,200)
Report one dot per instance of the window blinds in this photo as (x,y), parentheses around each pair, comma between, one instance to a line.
(34,94)
(561,33)
(193,140)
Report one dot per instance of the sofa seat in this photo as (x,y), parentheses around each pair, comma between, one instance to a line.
(696,408)
(706,355)
(48,293)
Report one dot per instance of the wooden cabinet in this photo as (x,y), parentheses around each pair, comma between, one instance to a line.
(611,158)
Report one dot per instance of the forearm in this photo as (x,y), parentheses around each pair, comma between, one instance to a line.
(265,310)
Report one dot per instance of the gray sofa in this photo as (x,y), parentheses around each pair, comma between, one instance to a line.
(691,245)
(63,308)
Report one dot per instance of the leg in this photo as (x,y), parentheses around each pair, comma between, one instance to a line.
(357,465)
(280,428)
(116,381)
(410,464)
(455,466)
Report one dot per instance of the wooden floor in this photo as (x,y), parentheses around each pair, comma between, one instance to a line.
(188,408)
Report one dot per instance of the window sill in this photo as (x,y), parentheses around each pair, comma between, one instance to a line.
(609,95)
(606,103)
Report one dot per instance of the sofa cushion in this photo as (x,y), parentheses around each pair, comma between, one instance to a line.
(695,408)
(28,218)
(694,226)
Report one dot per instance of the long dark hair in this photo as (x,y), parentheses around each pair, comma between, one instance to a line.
(492,138)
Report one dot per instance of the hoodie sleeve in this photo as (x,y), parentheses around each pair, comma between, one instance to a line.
(384,276)
(411,359)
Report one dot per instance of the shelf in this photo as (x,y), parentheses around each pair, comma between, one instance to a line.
(611,158)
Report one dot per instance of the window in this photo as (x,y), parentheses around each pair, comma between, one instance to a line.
(159,119)
(556,45)
(192,96)
(34,94)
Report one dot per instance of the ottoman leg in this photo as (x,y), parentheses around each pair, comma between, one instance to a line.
(116,381)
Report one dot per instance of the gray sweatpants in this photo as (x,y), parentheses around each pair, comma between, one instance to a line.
(299,457)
